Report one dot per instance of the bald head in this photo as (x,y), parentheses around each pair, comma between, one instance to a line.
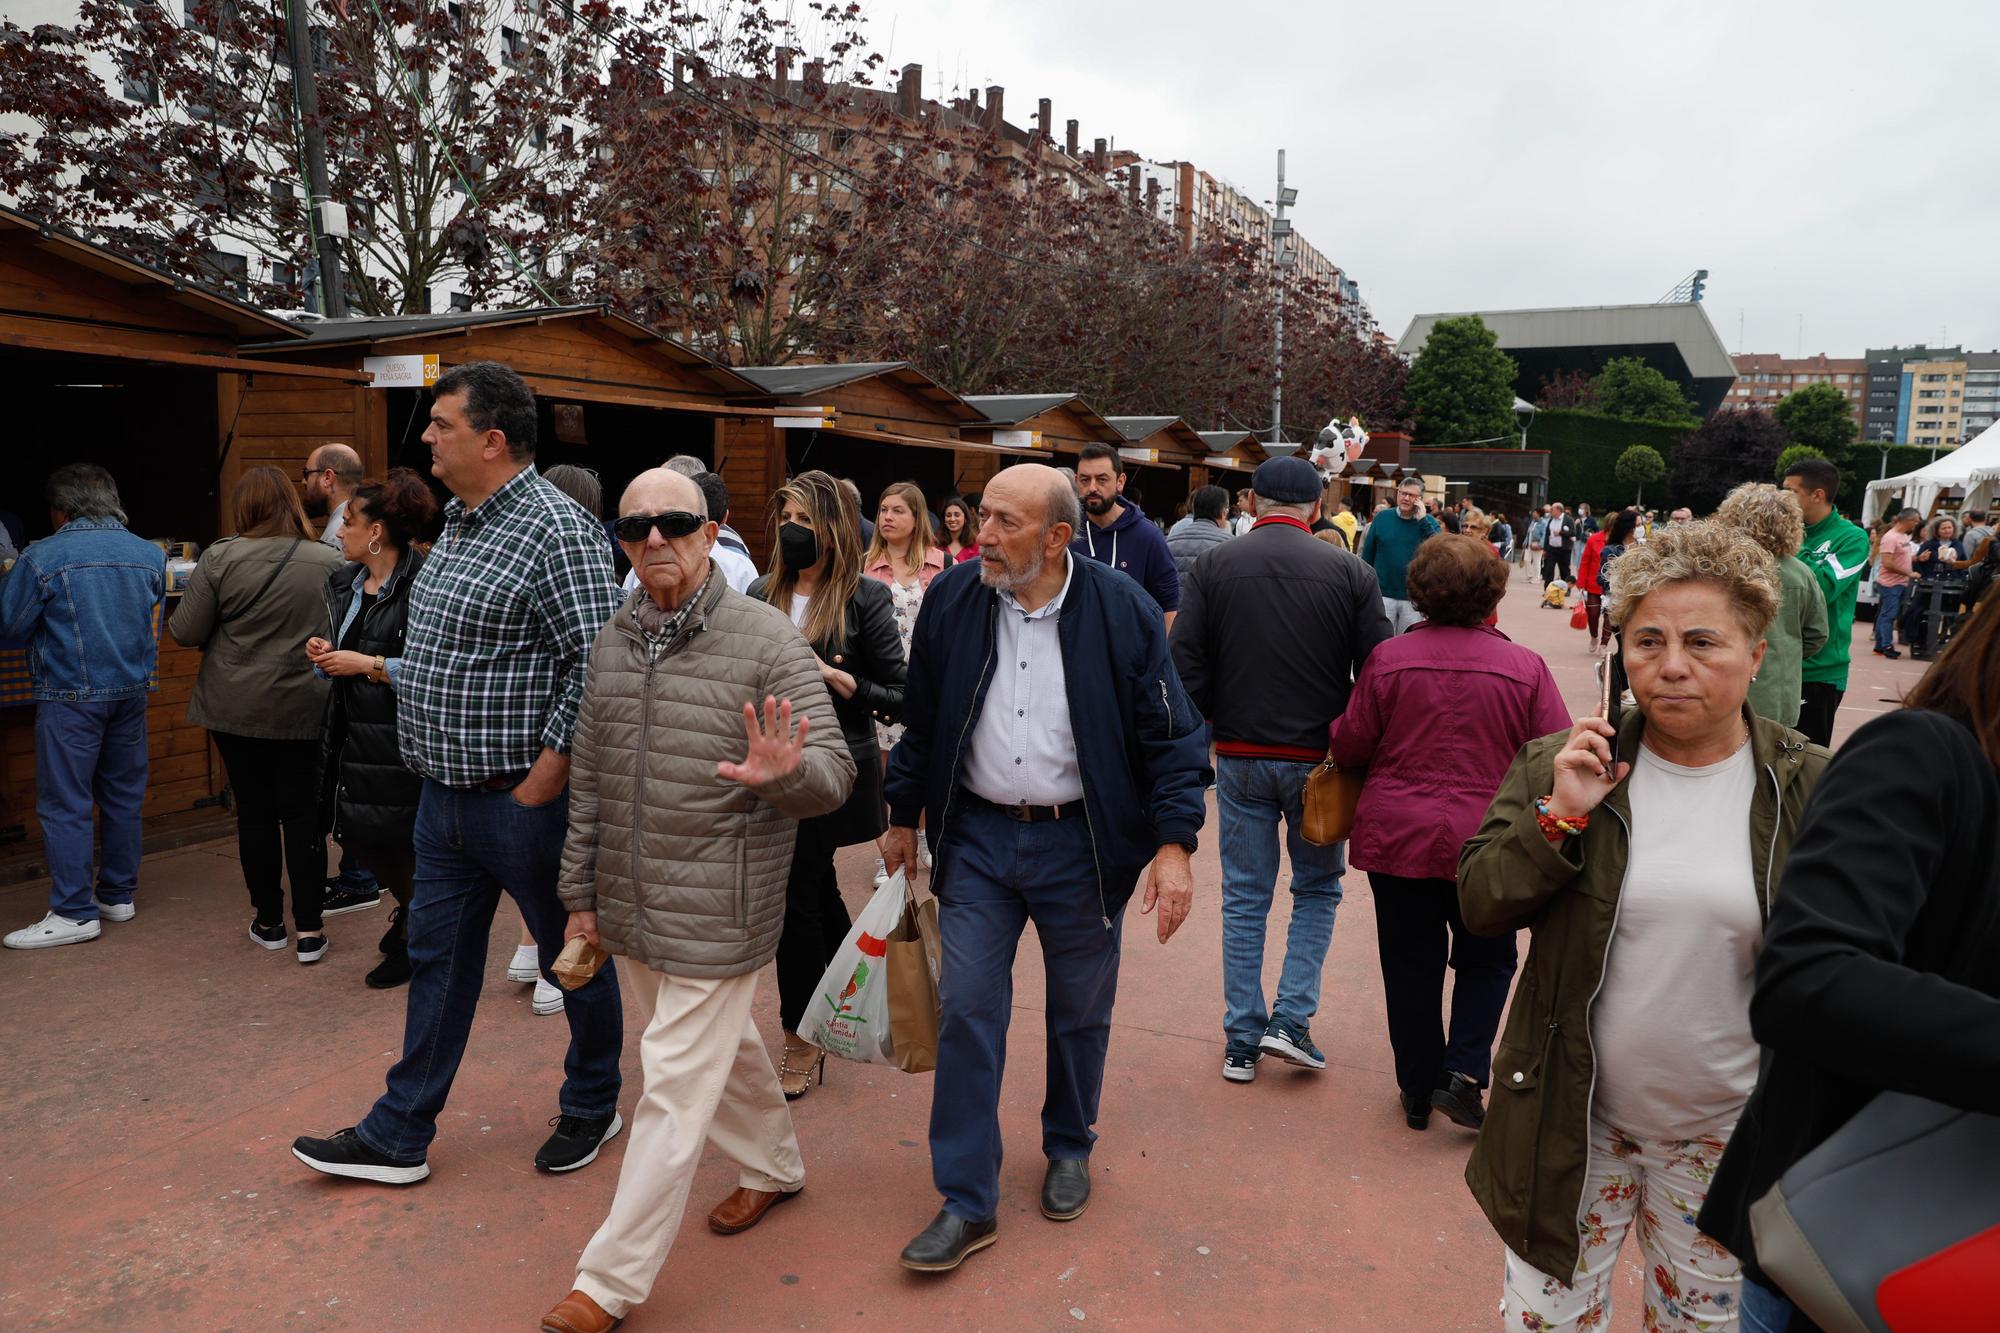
(333,471)
(659,490)
(1038,491)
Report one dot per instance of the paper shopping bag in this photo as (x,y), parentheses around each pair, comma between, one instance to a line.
(913,990)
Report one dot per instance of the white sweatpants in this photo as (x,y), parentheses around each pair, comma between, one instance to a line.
(1692,1283)
(708,1078)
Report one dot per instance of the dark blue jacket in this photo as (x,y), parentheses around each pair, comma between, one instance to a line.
(1142,749)
(1133,546)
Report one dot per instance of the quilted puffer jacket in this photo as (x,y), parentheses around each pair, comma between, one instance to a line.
(686,871)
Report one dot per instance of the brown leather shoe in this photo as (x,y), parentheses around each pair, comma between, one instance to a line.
(578,1314)
(745,1208)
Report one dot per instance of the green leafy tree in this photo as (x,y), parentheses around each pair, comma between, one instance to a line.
(1794,452)
(1637,466)
(1461,386)
(1730,448)
(1628,387)
(1819,417)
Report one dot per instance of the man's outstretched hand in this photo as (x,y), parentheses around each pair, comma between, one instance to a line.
(775,746)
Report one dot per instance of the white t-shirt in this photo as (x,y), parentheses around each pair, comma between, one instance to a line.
(800,601)
(1671,1025)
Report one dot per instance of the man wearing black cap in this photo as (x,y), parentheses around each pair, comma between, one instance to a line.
(1273,629)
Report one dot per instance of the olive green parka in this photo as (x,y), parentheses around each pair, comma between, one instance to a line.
(1527,1169)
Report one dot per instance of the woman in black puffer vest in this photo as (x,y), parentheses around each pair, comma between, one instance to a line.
(370,798)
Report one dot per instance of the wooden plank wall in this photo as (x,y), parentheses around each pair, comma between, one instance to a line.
(283,418)
(751,458)
(571,355)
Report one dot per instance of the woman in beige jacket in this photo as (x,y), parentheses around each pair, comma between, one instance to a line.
(252,603)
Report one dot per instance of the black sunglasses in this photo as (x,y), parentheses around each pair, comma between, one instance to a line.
(674,523)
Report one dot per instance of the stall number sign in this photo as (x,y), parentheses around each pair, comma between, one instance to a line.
(402,372)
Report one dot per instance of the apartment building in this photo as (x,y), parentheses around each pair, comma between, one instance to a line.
(1932,404)
(1981,409)
(1762,379)
(1882,422)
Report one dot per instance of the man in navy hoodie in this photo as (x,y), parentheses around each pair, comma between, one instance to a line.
(1118,534)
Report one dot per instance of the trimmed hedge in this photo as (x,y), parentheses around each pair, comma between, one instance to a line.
(1583,451)
(1862,463)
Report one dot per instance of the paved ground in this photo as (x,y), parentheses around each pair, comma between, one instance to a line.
(153,1080)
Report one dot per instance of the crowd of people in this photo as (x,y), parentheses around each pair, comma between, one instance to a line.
(464,697)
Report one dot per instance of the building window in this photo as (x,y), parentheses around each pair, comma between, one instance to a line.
(460,301)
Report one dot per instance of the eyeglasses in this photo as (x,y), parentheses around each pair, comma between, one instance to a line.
(308,473)
(672,524)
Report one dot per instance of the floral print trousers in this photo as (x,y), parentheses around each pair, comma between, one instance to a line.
(1692,1283)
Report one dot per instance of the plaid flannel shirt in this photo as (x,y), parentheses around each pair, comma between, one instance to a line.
(501,622)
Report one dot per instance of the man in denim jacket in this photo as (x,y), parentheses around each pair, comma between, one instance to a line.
(85,601)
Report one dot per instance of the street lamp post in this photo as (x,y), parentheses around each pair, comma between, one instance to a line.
(1282,258)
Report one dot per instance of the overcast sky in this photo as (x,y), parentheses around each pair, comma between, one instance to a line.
(1835,161)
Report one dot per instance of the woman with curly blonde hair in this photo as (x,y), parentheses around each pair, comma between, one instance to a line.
(1642,861)
(1771,517)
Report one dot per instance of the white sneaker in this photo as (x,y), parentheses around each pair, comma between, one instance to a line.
(548,997)
(526,964)
(115,911)
(51,931)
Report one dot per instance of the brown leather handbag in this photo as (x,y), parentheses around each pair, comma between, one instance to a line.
(1331,794)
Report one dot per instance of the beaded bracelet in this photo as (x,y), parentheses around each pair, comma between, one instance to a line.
(1558,826)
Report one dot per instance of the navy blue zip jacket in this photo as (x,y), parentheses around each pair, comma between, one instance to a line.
(1133,546)
(1142,749)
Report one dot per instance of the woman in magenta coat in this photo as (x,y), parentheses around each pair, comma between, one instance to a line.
(1436,717)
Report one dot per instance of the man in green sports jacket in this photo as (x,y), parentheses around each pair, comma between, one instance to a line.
(1836,551)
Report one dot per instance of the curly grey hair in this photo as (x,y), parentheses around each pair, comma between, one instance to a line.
(1708,551)
(1769,515)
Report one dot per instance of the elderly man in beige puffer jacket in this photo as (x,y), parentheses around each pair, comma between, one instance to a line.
(684,802)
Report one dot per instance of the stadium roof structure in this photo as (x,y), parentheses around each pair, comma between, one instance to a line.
(1677,340)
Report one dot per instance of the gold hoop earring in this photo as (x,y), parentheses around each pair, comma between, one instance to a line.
(374,546)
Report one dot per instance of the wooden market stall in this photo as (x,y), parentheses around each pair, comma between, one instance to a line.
(1158,452)
(1232,455)
(111,362)
(1057,425)
(871,422)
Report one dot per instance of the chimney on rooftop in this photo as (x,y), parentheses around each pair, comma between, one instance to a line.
(910,91)
(1153,195)
(1132,182)
(995,107)
(1098,157)
(815,80)
(1069,140)
(781,70)
(1044,117)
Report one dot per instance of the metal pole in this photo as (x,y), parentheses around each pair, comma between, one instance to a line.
(333,291)
(1277,249)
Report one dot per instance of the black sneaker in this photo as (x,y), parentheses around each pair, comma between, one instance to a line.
(312,948)
(576,1141)
(269,937)
(396,938)
(1239,1063)
(343,898)
(346,1155)
(390,973)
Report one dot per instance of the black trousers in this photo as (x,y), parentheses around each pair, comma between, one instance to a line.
(276,787)
(1555,565)
(1419,932)
(1820,702)
(816,921)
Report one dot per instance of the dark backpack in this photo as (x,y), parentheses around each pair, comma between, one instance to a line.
(1980,577)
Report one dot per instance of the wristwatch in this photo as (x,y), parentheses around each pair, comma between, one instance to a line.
(381,666)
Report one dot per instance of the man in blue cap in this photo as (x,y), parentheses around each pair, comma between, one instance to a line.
(1273,629)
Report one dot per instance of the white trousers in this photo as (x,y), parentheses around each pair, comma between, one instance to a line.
(1402,614)
(1692,1283)
(708,1078)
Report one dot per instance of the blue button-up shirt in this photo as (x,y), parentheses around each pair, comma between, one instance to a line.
(1022,750)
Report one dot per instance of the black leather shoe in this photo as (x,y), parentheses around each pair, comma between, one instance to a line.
(1460,1101)
(1066,1190)
(1416,1110)
(943,1245)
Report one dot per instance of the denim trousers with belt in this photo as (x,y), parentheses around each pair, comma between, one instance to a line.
(90,752)
(998,874)
(1251,796)
(472,846)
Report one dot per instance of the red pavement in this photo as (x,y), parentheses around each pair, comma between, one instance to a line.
(153,1080)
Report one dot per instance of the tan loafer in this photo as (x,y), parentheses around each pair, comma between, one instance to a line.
(577,1313)
(745,1208)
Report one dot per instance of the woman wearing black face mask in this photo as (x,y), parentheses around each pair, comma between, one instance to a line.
(851,623)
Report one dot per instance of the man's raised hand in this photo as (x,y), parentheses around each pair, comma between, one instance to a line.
(775,747)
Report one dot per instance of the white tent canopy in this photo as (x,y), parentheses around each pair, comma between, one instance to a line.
(1973,467)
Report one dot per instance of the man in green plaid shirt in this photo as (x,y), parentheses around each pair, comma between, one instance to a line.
(501,622)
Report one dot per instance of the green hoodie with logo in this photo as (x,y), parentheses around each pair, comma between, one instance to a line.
(1836,551)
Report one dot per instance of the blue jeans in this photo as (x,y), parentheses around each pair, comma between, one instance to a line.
(1250,796)
(352,874)
(1888,610)
(471,847)
(1001,875)
(85,753)
(1760,1309)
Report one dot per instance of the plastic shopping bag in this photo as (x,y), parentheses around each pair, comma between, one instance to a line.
(848,1016)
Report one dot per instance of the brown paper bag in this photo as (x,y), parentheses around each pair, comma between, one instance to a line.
(578,962)
(912,960)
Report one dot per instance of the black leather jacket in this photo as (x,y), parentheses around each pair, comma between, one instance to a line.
(369,796)
(873,655)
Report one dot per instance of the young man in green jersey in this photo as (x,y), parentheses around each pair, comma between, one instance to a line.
(1836,551)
